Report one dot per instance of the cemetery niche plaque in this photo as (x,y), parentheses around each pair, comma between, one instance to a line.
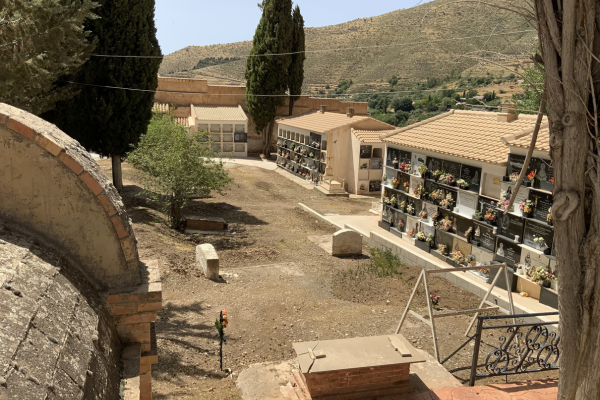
(376,163)
(472,175)
(404,156)
(484,234)
(534,229)
(452,168)
(400,216)
(412,223)
(542,202)
(417,204)
(391,155)
(375,186)
(511,226)
(386,213)
(462,224)
(444,238)
(414,182)
(431,186)
(544,173)
(515,163)
(531,259)
(431,209)
(462,246)
(507,252)
(482,255)
(467,202)
(485,203)
(403,177)
(366,151)
(434,164)
(417,160)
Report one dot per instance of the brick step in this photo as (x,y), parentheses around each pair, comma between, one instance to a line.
(370,394)
(300,388)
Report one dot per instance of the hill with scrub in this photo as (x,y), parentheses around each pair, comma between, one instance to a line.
(436,39)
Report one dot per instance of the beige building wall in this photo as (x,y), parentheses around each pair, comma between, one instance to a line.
(183,92)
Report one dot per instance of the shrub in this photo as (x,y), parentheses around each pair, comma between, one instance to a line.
(177,166)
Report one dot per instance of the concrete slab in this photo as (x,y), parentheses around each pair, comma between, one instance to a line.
(267,381)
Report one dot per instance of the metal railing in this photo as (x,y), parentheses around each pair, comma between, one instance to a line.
(524,348)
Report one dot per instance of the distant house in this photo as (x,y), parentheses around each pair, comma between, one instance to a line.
(339,152)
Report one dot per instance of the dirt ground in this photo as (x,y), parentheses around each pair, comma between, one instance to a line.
(278,287)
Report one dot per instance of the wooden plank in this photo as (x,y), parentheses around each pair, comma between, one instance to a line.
(400,346)
(484,301)
(461,269)
(433,333)
(412,295)
(414,314)
(461,312)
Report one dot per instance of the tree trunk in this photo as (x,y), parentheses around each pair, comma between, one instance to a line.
(292,101)
(568,32)
(267,139)
(117,174)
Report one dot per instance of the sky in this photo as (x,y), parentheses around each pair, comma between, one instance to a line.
(182,23)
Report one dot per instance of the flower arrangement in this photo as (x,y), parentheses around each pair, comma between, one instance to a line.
(395,161)
(470,259)
(437,195)
(311,154)
(380,164)
(403,205)
(532,175)
(400,225)
(514,176)
(429,238)
(447,179)
(363,166)
(419,190)
(410,209)
(436,174)
(478,215)
(540,242)
(443,249)
(462,184)
(383,178)
(421,236)
(526,207)
(445,224)
(411,233)
(422,169)
(423,215)
(393,200)
(395,182)
(406,186)
(469,233)
(386,199)
(448,202)
(541,275)
(490,215)
(458,257)
(303,151)
(435,217)
(551,180)
(435,299)
(549,216)
(502,204)
(405,167)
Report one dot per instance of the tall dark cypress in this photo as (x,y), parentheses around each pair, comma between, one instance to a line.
(111,121)
(296,70)
(266,74)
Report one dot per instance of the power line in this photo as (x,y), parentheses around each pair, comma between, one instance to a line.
(351,48)
(268,95)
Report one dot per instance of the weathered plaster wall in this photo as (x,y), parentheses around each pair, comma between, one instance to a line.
(52,188)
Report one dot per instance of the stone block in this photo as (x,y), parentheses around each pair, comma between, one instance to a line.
(346,243)
(207,257)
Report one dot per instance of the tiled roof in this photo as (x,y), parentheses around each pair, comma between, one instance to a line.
(317,121)
(370,136)
(473,135)
(219,113)
(542,143)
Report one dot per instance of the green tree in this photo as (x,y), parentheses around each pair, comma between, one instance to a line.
(405,104)
(266,76)
(393,81)
(177,166)
(530,99)
(489,96)
(41,40)
(110,121)
(447,102)
(296,69)
(471,93)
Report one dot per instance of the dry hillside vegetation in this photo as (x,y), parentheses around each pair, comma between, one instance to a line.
(398,33)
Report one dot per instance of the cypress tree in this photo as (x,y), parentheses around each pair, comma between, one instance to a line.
(111,121)
(296,70)
(39,42)
(266,75)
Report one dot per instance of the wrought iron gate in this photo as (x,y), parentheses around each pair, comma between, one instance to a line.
(523,348)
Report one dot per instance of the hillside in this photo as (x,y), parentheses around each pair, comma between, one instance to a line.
(398,35)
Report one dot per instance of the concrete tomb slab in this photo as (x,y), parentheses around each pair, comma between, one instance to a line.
(207,257)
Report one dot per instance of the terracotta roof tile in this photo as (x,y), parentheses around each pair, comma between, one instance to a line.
(542,143)
(370,136)
(472,135)
(219,113)
(317,121)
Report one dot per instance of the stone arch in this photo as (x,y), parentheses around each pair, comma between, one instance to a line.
(38,158)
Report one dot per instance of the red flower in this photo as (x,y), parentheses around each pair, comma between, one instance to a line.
(551,180)
(531,175)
